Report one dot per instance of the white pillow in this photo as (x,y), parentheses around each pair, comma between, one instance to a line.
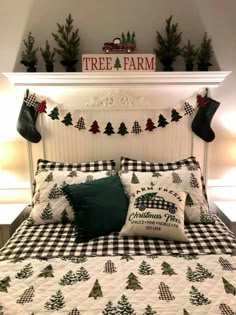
(156,212)
(196,208)
(49,203)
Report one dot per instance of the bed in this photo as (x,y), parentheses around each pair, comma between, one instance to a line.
(47,267)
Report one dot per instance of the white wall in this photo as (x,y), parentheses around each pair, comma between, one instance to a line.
(100,21)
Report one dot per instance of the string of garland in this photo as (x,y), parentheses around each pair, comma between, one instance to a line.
(162,122)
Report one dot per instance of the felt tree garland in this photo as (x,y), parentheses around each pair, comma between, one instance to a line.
(80,124)
(94,127)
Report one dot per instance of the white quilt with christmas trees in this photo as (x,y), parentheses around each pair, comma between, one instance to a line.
(145,285)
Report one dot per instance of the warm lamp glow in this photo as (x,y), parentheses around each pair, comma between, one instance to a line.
(228,120)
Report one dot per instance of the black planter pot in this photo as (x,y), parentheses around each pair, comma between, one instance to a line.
(168,68)
(204,67)
(49,67)
(70,66)
(189,66)
(31,69)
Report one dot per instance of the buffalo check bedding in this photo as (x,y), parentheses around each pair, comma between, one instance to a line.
(44,271)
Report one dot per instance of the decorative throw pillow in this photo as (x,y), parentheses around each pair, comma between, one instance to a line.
(94,166)
(100,207)
(156,212)
(186,179)
(49,202)
(127,164)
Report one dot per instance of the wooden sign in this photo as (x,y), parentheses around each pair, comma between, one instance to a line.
(118,62)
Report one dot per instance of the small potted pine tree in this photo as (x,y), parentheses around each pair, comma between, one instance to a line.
(169,47)
(68,42)
(29,56)
(189,54)
(205,53)
(48,57)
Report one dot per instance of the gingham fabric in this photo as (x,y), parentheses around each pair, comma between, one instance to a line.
(188,109)
(127,164)
(94,166)
(56,240)
(156,204)
(31,100)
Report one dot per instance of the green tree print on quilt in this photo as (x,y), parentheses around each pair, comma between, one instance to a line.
(1,310)
(127,257)
(167,269)
(133,283)
(96,290)
(47,272)
(27,296)
(47,213)
(109,267)
(25,272)
(176,178)
(149,311)
(145,269)
(124,307)
(55,192)
(226,265)
(134,179)
(82,274)
(206,217)
(193,181)
(56,301)
(75,311)
(197,298)
(200,274)
(165,293)
(76,260)
(226,309)
(72,174)
(69,278)
(189,201)
(109,309)
(64,217)
(229,288)
(4,284)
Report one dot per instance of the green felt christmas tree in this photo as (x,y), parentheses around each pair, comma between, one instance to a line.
(197,298)
(226,264)
(47,213)
(168,47)
(29,56)
(68,42)
(56,302)
(69,278)
(109,309)
(47,272)
(4,284)
(109,267)
(145,269)
(193,181)
(54,114)
(72,174)
(229,288)
(55,192)
(124,307)
(149,311)
(25,272)
(133,283)
(122,130)
(176,178)
(167,269)
(64,217)
(109,130)
(134,179)
(117,64)
(82,274)
(162,122)
(27,296)
(175,116)
(96,290)
(49,178)
(67,120)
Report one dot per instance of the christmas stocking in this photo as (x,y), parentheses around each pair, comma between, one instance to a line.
(201,124)
(27,118)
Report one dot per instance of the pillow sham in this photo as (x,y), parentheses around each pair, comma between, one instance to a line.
(49,202)
(94,166)
(100,207)
(184,179)
(155,211)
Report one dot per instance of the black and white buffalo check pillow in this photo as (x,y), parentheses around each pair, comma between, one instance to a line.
(94,166)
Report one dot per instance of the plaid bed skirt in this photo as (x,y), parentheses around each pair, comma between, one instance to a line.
(58,240)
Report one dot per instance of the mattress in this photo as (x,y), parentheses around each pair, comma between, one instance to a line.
(44,271)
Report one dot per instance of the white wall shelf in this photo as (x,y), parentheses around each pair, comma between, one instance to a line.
(142,79)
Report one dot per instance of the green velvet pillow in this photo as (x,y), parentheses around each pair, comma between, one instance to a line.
(100,207)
